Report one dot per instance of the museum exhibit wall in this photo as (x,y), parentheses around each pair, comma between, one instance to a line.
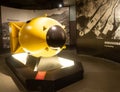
(9,14)
(72,25)
(98,28)
(0,31)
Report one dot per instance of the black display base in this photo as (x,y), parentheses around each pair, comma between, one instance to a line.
(55,77)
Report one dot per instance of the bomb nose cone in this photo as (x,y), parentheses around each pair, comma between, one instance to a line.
(56,36)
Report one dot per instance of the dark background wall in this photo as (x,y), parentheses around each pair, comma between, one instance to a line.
(98,30)
(0,31)
(72,25)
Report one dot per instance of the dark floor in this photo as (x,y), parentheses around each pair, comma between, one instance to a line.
(100,75)
(6,82)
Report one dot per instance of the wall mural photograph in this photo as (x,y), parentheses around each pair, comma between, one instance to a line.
(5,35)
(59,14)
(98,24)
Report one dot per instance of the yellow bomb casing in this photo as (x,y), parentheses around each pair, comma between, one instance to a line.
(36,34)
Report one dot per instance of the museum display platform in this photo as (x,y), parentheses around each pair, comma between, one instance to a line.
(45,74)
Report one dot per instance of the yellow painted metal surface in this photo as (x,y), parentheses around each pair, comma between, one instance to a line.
(31,37)
(14,28)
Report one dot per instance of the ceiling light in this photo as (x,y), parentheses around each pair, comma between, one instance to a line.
(60,5)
